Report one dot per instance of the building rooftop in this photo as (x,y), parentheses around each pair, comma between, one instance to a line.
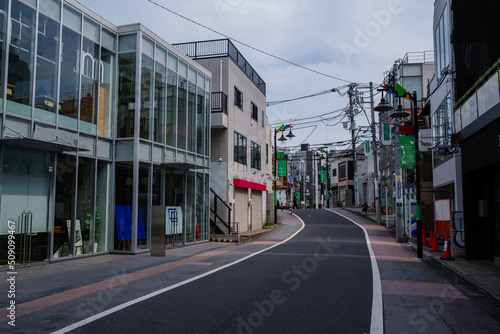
(221,48)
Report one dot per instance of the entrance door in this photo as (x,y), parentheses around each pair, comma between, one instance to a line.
(25,202)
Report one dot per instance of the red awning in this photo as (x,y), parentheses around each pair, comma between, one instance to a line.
(249,185)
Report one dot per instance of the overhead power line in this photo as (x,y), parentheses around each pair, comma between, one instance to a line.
(247,45)
(272,103)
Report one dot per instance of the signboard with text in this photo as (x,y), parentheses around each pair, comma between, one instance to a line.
(407,152)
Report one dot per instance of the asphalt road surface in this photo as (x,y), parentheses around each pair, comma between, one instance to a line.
(320,281)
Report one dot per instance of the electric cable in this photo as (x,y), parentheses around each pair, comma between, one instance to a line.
(247,45)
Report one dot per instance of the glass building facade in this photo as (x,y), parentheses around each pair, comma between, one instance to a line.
(99,123)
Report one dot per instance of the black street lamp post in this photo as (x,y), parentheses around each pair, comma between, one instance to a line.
(400,113)
(290,135)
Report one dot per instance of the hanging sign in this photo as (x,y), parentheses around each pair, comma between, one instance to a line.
(368,148)
(281,167)
(386,134)
(407,152)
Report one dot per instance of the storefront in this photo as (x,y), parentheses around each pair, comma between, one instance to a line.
(99,124)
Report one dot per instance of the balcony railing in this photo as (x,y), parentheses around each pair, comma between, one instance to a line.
(221,48)
(418,57)
(219,102)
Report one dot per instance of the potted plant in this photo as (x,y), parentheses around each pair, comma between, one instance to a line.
(97,226)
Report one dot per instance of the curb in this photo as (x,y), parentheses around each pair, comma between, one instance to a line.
(457,272)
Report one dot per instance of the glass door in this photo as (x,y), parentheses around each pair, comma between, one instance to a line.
(25,204)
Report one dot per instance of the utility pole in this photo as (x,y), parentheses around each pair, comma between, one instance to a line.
(353,138)
(375,161)
(398,182)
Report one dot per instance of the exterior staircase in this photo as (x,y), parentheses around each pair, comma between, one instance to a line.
(221,227)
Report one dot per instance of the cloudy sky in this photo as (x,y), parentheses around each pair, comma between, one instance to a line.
(346,41)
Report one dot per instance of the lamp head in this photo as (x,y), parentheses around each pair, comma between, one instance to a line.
(383,106)
(400,113)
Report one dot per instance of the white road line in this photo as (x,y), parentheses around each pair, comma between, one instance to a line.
(158,292)
(377,322)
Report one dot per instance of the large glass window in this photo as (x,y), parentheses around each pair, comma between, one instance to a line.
(107,80)
(126,86)
(102,218)
(144,205)
(70,67)
(190,207)
(159,103)
(200,212)
(441,42)
(21,56)
(146,96)
(86,216)
(192,117)
(46,67)
(67,232)
(240,148)
(26,193)
(181,112)
(171,107)
(255,155)
(69,83)
(123,206)
(207,123)
(442,131)
(200,126)
(174,201)
(3,43)
(89,75)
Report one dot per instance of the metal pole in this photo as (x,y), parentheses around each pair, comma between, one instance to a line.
(353,139)
(417,178)
(375,160)
(275,190)
(386,209)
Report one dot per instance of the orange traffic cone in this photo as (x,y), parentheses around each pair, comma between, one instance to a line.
(431,239)
(435,247)
(424,242)
(446,252)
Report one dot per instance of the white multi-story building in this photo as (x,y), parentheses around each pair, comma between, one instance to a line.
(241,136)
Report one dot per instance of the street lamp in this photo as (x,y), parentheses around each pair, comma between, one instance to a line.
(400,113)
(282,139)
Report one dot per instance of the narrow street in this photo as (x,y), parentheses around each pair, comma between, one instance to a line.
(309,275)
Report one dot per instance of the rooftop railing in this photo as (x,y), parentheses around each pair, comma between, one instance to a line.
(418,57)
(221,48)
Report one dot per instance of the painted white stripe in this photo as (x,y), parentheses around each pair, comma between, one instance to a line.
(158,292)
(377,322)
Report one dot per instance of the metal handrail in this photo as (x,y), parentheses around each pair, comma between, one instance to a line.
(215,210)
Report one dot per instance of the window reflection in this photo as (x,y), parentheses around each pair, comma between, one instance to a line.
(89,71)
(21,57)
(70,52)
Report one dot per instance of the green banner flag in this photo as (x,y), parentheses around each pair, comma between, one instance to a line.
(323,175)
(386,134)
(407,158)
(282,168)
(281,155)
(368,149)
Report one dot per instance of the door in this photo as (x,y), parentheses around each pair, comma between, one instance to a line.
(25,206)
